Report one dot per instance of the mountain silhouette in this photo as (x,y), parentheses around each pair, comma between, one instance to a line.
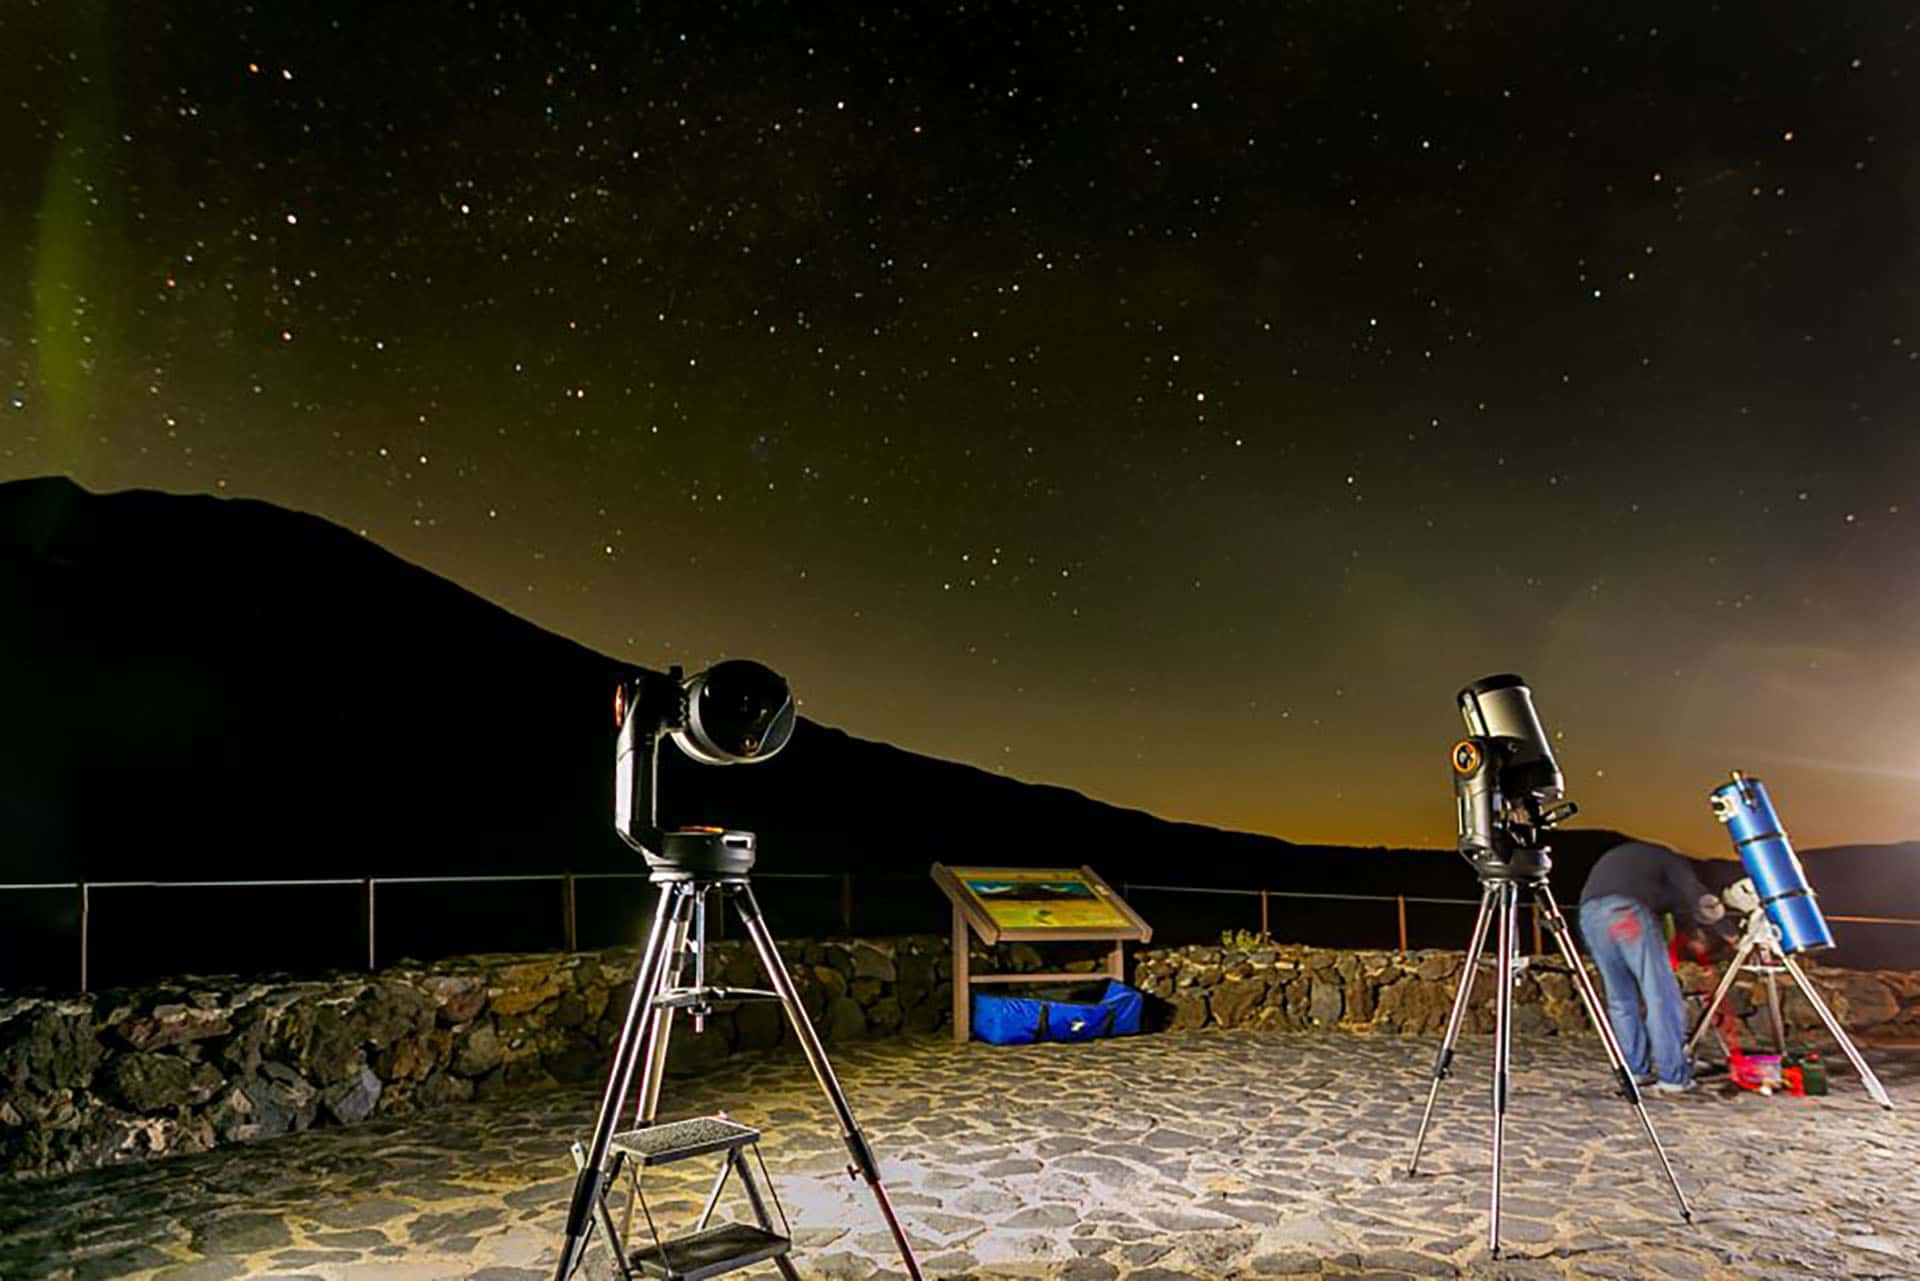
(204,689)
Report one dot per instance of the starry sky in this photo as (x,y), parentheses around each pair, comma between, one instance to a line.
(1177,403)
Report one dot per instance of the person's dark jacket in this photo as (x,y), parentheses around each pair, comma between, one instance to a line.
(1653,875)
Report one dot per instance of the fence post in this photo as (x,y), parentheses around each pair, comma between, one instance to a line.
(1401,901)
(1265,932)
(846,902)
(572,932)
(368,883)
(86,908)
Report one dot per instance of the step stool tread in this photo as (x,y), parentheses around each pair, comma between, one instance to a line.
(677,1140)
(709,1252)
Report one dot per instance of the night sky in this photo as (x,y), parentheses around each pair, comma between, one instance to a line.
(1174,402)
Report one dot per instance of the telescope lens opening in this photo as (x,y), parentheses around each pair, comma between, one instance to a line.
(737,711)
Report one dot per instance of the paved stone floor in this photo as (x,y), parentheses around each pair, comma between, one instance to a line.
(1193,1155)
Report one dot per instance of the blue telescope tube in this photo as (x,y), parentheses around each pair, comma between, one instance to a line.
(1761,841)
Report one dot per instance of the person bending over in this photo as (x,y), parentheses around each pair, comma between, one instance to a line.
(1620,907)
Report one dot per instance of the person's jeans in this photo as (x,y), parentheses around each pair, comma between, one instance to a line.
(1630,948)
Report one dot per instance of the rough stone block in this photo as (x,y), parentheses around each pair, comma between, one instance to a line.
(1869,1000)
(845,1020)
(831,980)
(884,1015)
(575,1060)
(332,1051)
(50,1046)
(932,1014)
(874,960)
(408,1059)
(1325,1003)
(1234,1001)
(390,1008)
(1359,999)
(353,1100)
(442,1088)
(479,1052)
(173,1024)
(458,997)
(145,1082)
(1189,1010)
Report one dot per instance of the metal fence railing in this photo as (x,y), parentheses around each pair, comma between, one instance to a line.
(1400,902)
(925,912)
(368,897)
(1266,898)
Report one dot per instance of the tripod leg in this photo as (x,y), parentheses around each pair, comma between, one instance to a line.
(1875,1090)
(1597,1015)
(864,1164)
(1720,993)
(1504,944)
(590,1185)
(616,1239)
(658,1034)
(1773,1013)
(1443,1061)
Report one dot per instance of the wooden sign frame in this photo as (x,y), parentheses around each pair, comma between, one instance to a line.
(970,915)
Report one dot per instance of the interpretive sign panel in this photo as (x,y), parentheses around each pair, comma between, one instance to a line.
(1040,902)
(1032,905)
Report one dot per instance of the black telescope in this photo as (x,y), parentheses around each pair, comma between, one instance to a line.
(1507,792)
(736,712)
(1507,786)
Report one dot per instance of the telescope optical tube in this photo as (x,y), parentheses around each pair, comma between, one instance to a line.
(1761,841)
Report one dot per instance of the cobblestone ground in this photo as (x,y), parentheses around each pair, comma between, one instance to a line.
(1192,1155)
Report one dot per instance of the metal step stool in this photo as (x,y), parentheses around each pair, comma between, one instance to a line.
(709,1249)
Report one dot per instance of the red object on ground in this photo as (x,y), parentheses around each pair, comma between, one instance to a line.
(1743,1074)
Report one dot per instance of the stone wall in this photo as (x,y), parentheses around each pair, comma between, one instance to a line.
(185,1066)
(1299,987)
(181,1067)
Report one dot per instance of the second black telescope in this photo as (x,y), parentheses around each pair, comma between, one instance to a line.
(1507,793)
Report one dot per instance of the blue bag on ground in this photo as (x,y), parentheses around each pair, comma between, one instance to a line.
(1022,1020)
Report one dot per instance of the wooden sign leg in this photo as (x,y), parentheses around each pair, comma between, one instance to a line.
(962,979)
(1117,962)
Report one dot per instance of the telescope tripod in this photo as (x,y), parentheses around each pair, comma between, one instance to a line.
(657,996)
(1763,936)
(1499,902)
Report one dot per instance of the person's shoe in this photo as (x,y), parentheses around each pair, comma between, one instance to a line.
(1675,1087)
(1644,1079)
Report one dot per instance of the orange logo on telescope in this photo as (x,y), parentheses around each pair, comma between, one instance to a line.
(1466,756)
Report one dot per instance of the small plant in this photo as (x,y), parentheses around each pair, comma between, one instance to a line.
(1245,940)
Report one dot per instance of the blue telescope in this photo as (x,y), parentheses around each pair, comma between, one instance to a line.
(1761,842)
